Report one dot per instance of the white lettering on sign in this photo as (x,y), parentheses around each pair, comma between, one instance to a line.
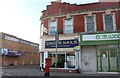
(21,41)
(96,37)
(11,38)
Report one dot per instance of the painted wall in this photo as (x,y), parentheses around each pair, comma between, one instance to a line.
(88,58)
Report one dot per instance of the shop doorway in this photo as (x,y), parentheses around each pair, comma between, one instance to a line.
(107,60)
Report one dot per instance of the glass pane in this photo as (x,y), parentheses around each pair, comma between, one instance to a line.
(61,60)
(90,27)
(89,19)
(52,32)
(104,55)
(42,57)
(68,22)
(70,60)
(119,60)
(90,23)
(113,63)
(52,60)
(99,69)
(108,22)
(109,25)
(68,26)
(68,30)
(53,24)
(108,17)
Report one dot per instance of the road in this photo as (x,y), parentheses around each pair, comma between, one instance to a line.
(22,71)
(33,71)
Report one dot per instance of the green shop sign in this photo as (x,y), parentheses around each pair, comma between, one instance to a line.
(108,36)
(96,39)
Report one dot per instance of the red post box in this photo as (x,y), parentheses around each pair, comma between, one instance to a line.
(47,67)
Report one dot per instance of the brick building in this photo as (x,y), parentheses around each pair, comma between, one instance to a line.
(89,37)
(17,51)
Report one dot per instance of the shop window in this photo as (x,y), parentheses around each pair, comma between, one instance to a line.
(70,60)
(68,26)
(64,60)
(52,27)
(61,60)
(52,60)
(90,23)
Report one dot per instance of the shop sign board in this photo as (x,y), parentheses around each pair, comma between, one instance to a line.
(96,37)
(62,43)
(10,52)
(91,39)
(15,39)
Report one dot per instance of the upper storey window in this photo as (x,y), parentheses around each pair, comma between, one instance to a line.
(108,22)
(52,27)
(90,23)
(68,26)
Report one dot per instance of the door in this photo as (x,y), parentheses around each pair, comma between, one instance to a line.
(113,60)
(104,60)
(107,60)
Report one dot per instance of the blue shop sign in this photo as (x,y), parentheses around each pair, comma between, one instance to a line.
(10,52)
(62,44)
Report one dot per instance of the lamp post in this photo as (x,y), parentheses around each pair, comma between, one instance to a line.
(56,44)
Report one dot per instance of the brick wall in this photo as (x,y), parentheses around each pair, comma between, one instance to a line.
(60,10)
(30,55)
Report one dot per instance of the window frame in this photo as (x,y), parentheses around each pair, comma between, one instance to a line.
(94,19)
(71,18)
(113,19)
(55,27)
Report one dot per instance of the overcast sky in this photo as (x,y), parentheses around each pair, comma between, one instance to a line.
(21,17)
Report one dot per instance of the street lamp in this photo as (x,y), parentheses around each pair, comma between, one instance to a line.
(56,43)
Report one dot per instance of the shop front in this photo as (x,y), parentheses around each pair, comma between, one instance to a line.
(67,56)
(105,49)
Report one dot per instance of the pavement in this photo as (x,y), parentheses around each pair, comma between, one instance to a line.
(34,71)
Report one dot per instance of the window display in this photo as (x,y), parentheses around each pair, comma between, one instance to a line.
(70,60)
(64,60)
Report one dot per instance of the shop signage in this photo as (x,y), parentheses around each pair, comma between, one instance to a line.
(10,52)
(10,38)
(96,37)
(62,44)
